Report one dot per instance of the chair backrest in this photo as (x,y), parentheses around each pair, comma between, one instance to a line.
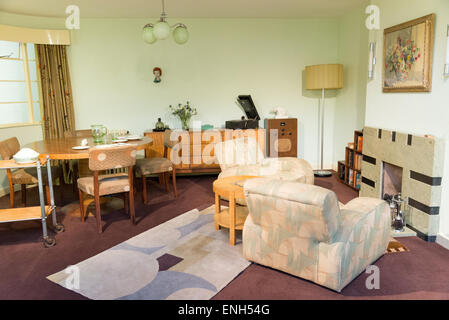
(237,152)
(114,157)
(83,133)
(305,210)
(168,143)
(9,147)
(78,133)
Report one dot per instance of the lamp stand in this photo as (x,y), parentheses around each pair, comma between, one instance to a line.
(322,173)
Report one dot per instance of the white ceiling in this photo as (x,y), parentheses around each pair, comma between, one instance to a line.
(183,8)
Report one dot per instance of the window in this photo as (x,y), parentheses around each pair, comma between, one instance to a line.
(20,99)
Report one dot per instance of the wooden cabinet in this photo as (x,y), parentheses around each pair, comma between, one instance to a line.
(199,157)
(282,137)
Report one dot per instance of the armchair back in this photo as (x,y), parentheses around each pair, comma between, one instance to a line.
(286,208)
(238,152)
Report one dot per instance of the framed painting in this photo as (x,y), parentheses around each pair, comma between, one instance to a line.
(408,51)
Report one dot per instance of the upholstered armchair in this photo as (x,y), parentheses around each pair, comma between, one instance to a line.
(244,157)
(300,229)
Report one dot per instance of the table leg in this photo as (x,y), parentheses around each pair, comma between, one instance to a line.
(232,219)
(217,210)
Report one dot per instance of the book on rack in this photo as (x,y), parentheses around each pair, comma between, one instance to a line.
(358,161)
(359,143)
(358,180)
(351,158)
(350,177)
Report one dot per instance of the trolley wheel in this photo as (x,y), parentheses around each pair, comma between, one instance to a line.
(59,228)
(49,242)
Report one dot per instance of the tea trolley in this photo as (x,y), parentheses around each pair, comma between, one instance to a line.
(38,212)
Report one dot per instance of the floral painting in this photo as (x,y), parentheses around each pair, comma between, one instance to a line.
(408,56)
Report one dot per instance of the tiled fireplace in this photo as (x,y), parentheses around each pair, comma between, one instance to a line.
(413,165)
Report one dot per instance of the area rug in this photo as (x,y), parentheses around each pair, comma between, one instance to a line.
(184,258)
(395,246)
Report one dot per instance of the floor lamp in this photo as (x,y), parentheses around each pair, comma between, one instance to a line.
(322,77)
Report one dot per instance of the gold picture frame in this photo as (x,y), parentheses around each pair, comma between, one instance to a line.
(407,56)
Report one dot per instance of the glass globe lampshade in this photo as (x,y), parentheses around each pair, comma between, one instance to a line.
(180,35)
(161,30)
(148,35)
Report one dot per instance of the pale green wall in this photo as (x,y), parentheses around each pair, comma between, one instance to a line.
(418,113)
(351,100)
(111,71)
(112,77)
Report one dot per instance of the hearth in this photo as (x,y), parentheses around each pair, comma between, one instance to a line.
(412,165)
(391,179)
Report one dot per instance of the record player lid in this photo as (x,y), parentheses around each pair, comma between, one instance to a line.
(248,106)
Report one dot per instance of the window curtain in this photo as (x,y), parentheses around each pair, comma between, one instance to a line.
(57,98)
(56,90)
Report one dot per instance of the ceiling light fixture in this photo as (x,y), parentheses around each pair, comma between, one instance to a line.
(161,30)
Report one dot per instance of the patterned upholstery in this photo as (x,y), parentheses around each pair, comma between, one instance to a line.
(113,157)
(167,141)
(9,147)
(109,184)
(239,157)
(32,172)
(299,229)
(148,166)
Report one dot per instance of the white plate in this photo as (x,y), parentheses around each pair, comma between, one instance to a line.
(134,137)
(80,147)
(25,161)
(119,140)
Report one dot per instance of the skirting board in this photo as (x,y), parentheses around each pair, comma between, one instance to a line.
(443,240)
(326,166)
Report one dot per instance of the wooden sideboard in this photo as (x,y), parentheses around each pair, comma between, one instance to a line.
(197,145)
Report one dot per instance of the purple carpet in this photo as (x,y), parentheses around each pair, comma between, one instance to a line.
(421,273)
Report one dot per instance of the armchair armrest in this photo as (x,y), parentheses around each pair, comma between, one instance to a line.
(288,168)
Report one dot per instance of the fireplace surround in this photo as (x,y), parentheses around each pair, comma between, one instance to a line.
(420,160)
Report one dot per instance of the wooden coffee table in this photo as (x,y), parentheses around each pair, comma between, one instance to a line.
(234,217)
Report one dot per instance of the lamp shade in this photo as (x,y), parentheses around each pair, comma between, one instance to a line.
(161,30)
(148,35)
(180,35)
(324,76)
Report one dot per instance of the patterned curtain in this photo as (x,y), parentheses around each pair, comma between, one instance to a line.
(56,90)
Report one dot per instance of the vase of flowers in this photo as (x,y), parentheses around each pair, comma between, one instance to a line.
(184,112)
(401,58)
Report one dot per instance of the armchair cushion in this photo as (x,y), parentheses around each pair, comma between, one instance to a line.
(243,157)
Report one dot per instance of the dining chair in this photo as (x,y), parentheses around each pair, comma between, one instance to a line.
(106,158)
(160,166)
(74,164)
(78,133)
(28,176)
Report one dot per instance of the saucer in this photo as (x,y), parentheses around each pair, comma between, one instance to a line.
(119,140)
(80,147)
(134,137)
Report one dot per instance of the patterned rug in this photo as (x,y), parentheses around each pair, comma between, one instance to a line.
(184,258)
(395,246)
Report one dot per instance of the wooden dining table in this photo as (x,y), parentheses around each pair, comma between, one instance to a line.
(62,148)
